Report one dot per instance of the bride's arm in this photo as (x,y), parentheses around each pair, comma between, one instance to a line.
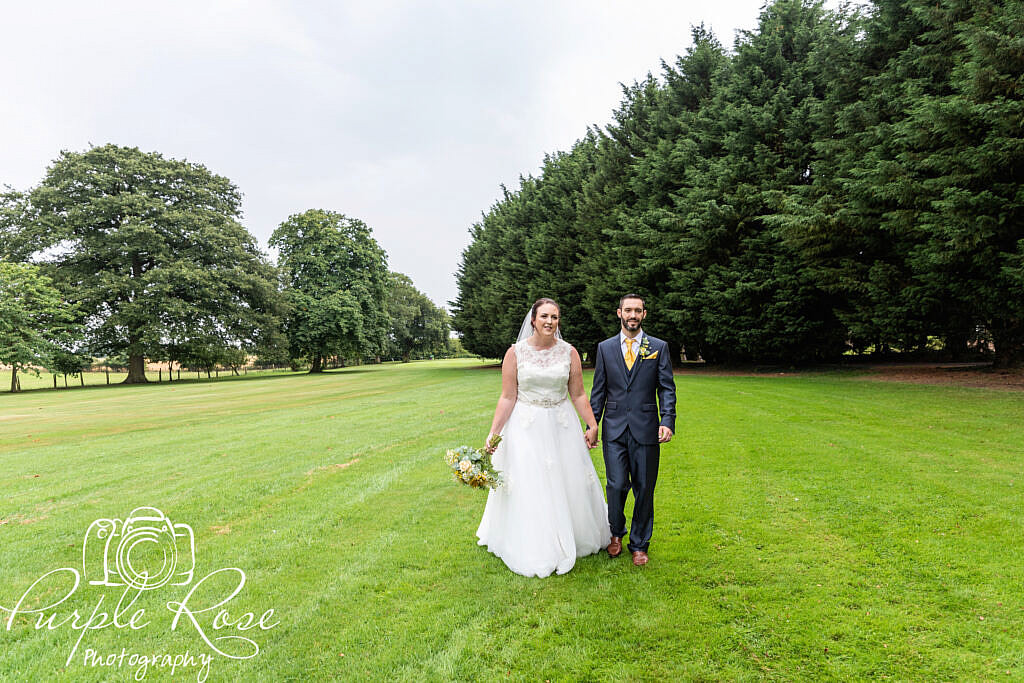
(579,397)
(509,391)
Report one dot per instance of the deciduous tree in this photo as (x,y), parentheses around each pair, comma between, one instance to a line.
(335,280)
(417,325)
(153,250)
(36,322)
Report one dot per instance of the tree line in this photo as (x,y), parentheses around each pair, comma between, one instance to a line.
(132,256)
(839,181)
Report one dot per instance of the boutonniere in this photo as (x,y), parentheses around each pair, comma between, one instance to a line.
(645,350)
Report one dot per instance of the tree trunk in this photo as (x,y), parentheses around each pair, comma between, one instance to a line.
(106,371)
(159,375)
(65,380)
(81,378)
(318,364)
(14,378)
(677,357)
(136,371)
(956,345)
(1008,359)
(1008,339)
(55,381)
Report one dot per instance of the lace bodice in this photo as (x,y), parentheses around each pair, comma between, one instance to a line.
(543,374)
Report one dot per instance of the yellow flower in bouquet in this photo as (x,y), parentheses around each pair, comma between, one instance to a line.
(473,466)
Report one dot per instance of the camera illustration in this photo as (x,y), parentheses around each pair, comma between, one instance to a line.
(145,551)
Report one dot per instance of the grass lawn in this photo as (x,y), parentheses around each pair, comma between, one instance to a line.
(807,527)
(45,380)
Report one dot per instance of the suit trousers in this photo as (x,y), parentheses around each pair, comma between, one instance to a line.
(631,464)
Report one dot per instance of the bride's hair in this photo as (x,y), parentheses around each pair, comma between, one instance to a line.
(540,302)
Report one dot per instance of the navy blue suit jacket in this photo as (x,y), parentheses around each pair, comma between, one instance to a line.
(626,397)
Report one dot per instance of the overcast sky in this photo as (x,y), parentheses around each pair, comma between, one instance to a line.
(407,115)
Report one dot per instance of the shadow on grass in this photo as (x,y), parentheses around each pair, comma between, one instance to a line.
(252,377)
(484,364)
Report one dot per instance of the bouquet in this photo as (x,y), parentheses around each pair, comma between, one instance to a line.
(473,467)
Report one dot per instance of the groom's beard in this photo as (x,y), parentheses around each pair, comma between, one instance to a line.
(631,325)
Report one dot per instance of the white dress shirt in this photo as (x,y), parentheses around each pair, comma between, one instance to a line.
(636,343)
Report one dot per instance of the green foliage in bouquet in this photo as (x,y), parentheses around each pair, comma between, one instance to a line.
(473,466)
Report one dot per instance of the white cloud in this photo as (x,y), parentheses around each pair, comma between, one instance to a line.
(408,115)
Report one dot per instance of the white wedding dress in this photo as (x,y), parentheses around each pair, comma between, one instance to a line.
(550,509)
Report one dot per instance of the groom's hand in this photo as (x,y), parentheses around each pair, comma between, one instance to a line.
(664,434)
(590,437)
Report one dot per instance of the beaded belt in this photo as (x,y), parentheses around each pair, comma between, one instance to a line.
(542,402)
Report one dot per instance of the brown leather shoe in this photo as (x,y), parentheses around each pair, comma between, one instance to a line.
(640,558)
(615,547)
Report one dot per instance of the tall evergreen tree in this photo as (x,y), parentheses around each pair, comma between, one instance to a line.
(905,58)
(737,281)
(613,266)
(862,268)
(662,179)
(967,142)
(493,279)
(558,244)
(838,181)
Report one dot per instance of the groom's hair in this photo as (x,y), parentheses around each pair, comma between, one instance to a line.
(632,296)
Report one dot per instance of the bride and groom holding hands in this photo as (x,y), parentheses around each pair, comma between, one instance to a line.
(550,509)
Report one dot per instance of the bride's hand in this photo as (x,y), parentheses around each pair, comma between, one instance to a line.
(487,444)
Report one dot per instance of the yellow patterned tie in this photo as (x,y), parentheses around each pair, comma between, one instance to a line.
(630,357)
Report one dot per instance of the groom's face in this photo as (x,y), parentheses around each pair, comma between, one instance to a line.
(631,314)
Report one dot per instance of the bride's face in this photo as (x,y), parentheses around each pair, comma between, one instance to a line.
(546,322)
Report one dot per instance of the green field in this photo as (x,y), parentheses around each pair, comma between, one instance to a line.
(45,380)
(807,527)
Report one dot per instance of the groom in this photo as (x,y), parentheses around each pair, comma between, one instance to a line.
(631,368)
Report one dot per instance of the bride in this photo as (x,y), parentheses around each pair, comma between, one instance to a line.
(550,509)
